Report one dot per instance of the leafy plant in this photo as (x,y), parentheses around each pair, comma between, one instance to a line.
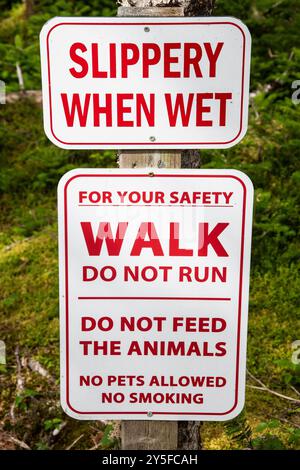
(106,441)
(239,431)
(110,436)
(51,424)
(268,442)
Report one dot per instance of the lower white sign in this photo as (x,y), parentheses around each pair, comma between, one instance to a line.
(154,280)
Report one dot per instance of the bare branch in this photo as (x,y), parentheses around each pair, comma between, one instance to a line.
(35,366)
(264,388)
(295,390)
(22,444)
(19,383)
(284,420)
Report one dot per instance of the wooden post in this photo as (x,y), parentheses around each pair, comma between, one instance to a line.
(161,435)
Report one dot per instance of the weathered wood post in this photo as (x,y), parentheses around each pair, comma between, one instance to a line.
(161,435)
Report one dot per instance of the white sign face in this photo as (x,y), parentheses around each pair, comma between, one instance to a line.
(140,83)
(154,278)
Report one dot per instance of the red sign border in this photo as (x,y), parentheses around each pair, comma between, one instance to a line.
(150,144)
(146,175)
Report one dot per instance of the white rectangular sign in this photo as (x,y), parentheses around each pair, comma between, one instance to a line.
(140,83)
(154,278)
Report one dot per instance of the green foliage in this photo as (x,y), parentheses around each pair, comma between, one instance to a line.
(263,436)
(23,400)
(268,442)
(51,424)
(19,35)
(274,27)
(30,169)
(109,439)
(272,424)
(290,371)
(294,438)
(240,431)
(106,441)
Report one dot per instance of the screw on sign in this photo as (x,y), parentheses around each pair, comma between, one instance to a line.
(154,277)
(163,88)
